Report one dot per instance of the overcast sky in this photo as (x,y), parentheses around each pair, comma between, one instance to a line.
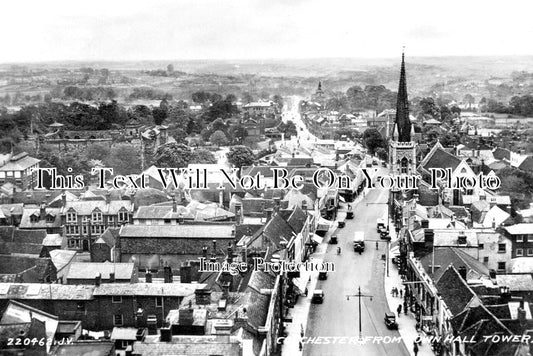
(38,30)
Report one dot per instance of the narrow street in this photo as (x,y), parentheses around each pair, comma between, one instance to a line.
(339,317)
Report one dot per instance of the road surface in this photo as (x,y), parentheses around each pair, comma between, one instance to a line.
(338,317)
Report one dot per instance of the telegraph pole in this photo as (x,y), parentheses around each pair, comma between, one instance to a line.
(359,296)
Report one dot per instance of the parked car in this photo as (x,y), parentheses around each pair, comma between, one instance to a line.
(322,275)
(333,240)
(390,321)
(318,296)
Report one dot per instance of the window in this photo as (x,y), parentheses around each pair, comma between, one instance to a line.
(501,248)
(117,320)
(519,238)
(526,238)
(72,243)
(84,230)
(96,229)
(34,218)
(50,218)
(72,217)
(116,299)
(122,216)
(9,174)
(72,230)
(530,251)
(486,259)
(519,252)
(2,174)
(158,301)
(96,216)
(501,266)
(110,219)
(167,221)
(481,246)
(17,174)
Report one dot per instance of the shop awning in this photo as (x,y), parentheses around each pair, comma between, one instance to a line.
(300,283)
(316,238)
(322,227)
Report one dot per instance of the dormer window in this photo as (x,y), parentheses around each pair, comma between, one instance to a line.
(34,218)
(50,218)
(96,216)
(72,217)
(122,216)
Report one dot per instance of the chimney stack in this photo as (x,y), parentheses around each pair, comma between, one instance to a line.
(238,213)
(522,318)
(112,277)
(268,214)
(223,331)
(202,296)
(148,276)
(42,211)
(204,252)
(230,253)
(63,199)
(185,273)
(98,280)
(167,273)
(174,206)
(225,290)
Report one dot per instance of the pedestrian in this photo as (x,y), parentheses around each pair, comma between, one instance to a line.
(401,293)
(377,245)
(306,291)
(415,348)
(301,330)
(300,346)
(392,291)
(399,310)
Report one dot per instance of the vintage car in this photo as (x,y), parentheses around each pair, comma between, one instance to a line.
(322,275)
(342,223)
(333,240)
(390,321)
(318,296)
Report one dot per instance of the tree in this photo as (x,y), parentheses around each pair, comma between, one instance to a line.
(218,138)
(240,156)
(98,152)
(178,134)
(278,100)
(159,115)
(469,99)
(125,158)
(200,97)
(202,156)
(172,154)
(239,133)
(373,139)
(382,153)
(288,128)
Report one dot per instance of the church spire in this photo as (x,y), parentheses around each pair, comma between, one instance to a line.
(402,122)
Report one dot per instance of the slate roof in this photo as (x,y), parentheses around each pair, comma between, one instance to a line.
(61,258)
(520,229)
(26,223)
(45,291)
(162,212)
(516,282)
(12,209)
(148,289)
(454,290)
(124,334)
(86,207)
(190,345)
(442,159)
(19,162)
(451,256)
(501,153)
(53,240)
(110,236)
(527,164)
(297,219)
(90,270)
(199,231)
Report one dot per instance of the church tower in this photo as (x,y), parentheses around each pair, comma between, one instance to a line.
(402,149)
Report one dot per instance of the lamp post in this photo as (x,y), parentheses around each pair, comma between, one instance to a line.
(359,296)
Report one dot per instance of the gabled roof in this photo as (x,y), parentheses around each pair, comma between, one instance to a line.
(297,219)
(454,291)
(90,270)
(450,256)
(527,164)
(501,154)
(20,162)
